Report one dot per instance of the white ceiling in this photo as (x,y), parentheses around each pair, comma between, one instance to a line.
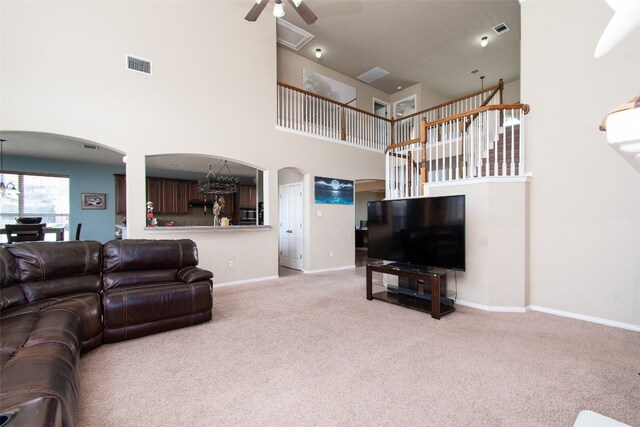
(435,42)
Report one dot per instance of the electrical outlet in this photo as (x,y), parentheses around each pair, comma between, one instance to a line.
(230,263)
(330,254)
(319,213)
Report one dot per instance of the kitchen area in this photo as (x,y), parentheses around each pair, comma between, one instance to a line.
(218,198)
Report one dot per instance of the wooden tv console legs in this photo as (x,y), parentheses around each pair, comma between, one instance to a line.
(416,299)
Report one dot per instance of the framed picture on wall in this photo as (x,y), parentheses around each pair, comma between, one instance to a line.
(333,191)
(93,201)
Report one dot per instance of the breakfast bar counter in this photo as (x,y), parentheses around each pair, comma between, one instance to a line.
(206,229)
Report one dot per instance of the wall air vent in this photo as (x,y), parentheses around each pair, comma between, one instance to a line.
(474,71)
(138,65)
(90,147)
(372,75)
(501,28)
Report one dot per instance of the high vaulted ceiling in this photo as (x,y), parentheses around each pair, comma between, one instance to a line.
(433,42)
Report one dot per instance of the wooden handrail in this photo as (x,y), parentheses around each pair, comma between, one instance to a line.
(495,88)
(486,101)
(324,98)
(633,103)
(518,106)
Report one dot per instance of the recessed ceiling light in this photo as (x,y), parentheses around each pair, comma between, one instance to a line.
(484,41)
(399,87)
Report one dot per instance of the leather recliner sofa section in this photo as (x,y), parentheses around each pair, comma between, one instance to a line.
(61,299)
(136,271)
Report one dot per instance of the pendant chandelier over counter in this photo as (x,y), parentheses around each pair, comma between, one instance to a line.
(218,183)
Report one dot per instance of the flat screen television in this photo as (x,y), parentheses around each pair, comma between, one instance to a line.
(426,232)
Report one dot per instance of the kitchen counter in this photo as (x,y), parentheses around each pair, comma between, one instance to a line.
(206,228)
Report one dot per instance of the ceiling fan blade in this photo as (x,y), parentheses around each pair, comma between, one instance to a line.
(304,11)
(256,10)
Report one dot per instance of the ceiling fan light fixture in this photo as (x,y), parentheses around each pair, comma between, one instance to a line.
(278,9)
(318,53)
(484,41)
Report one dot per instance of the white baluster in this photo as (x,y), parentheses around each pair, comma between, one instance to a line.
(521,150)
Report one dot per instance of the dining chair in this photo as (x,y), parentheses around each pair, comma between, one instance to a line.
(24,232)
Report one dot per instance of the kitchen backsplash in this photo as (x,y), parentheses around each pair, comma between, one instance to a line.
(195,217)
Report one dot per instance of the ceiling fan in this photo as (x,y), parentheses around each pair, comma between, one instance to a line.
(278,10)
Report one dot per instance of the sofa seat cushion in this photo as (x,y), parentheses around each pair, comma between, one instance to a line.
(40,353)
(86,306)
(25,330)
(134,311)
(39,411)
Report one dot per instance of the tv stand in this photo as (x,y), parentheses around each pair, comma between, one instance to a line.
(433,302)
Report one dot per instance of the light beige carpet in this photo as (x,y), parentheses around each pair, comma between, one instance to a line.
(311,350)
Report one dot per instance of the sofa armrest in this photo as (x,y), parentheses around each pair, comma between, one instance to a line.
(193,274)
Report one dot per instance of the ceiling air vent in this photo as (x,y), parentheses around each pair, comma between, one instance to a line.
(291,36)
(90,147)
(474,71)
(372,75)
(501,28)
(139,65)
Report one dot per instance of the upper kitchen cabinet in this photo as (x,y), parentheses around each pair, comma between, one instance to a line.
(154,193)
(121,194)
(247,196)
(175,196)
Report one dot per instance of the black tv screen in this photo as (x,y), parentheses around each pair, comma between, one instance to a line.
(428,232)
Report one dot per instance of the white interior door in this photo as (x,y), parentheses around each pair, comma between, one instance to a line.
(291,225)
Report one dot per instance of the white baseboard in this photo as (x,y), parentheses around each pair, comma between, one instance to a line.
(493,308)
(244,282)
(324,270)
(592,319)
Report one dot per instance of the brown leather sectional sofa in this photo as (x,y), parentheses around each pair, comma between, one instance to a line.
(61,299)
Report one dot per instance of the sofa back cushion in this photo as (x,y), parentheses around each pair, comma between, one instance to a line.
(51,269)
(10,291)
(139,261)
(135,255)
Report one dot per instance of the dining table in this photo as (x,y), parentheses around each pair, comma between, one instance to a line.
(49,229)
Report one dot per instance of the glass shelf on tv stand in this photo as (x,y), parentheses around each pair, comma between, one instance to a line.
(414,286)
(429,271)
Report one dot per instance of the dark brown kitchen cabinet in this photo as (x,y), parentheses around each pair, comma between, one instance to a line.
(154,194)
(169,196)
(121,194)
(182,197)
(174,196)
(247,196)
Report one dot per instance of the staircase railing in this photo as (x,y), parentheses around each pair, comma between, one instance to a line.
(484,142)
(407,128)
(312,114)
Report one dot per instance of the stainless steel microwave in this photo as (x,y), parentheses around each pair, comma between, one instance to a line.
(247,214)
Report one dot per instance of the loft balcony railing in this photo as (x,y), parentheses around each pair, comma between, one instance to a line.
(312,114)
(481,143)
(308,113)
(408,127)
(475,136)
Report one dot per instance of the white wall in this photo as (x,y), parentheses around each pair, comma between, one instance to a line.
(62,71)
(497,243)
(585,198)
(290,68)
(361,200)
